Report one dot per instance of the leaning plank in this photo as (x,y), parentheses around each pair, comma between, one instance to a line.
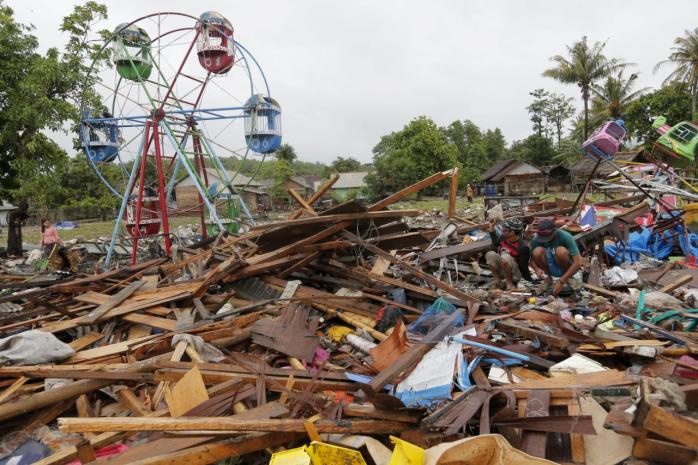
(78,425)
(339,217)
(112,302)
(409,190)
(678,428)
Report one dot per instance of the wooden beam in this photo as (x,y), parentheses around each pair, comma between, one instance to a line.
(316,196)
(677,428)
(453,194)
(337,218)
(671,287)
(112,302)
(76,425)
(426,182)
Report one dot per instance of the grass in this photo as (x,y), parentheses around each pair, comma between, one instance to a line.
(93,230)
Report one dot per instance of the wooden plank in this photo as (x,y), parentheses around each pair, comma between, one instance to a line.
(189,392)
(601,291)
(461,249)
(576,439)
(112,302)
(81,425)
(585,380)
(129,400)
(453,194)
(409,190)
(531,333)
(316,196)
(655,450)
(677,428)
(607,447)
(338,218)
(151,321)
(671,287)
(537,405)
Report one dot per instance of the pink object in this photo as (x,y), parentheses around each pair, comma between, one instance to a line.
(687,372)
(105,452)
(49,236)
(321,356)
(606,139)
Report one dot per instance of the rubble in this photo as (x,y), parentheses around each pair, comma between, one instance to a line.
(352,335)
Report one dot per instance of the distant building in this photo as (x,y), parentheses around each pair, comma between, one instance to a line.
(514,177)
(348,185)
(584,168)
(251,192)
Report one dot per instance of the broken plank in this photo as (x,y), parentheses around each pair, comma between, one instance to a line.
(112,302)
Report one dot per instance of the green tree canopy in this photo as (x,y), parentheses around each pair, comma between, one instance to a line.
(404,157)
(344,165)
(584,66)
(672,101)
(684,58)
(287,153)
(535,149)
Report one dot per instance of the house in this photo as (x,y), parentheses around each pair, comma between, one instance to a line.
(557,178)
(349,185)
(251,192)
(584,168)
(297,183)
(514,177)
(5,209)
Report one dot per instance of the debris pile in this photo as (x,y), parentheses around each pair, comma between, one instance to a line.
(349,336)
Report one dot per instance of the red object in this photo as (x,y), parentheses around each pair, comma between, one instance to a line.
(105,453)
(687,372)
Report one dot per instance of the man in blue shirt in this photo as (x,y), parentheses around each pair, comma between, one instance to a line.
(554,254)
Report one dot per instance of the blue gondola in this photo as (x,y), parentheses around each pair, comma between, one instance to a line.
(262,124)
(100,139)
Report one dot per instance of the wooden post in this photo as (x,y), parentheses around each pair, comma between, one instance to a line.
(453,195)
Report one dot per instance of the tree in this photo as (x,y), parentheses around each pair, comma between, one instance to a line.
(535,149)
(567,152)
(585,66)
(684,57)
(672,101)
(287,153)
(38,94)
(559,110)
(281,172)
(344,165)
(611,98)
(404,157)
(538,110)
(477,150)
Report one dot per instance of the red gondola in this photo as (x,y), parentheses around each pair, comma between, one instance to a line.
(214,45)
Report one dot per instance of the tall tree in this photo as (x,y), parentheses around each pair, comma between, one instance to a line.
(406,156)
(535,149)
(538,110)
(584,66)
(559,110)
(613,96)
(287,153)
(38,94)
(684,57)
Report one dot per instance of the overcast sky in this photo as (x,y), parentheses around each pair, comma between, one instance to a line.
(348,72)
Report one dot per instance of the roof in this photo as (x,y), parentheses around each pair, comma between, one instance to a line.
(238,179)
(510,167)
(300,180)
(496,168)
(585,166)
(355,179)
(254,191)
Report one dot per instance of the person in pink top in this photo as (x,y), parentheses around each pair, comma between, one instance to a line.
(49,237)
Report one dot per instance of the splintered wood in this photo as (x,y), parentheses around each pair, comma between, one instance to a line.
(354,320)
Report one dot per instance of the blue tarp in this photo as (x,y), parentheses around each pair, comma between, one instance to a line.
(653,244)
(433,315)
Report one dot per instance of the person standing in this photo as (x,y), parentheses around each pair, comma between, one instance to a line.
(49,237)
(554,254)
(510,258)
(469,193)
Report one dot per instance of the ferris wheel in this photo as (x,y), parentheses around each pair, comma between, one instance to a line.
(166,95)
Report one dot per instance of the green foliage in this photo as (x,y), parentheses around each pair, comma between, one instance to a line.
(281,173)
(343,165)
(558,112)
(287,153)
(584,66)
(538,109)
(535,149)
(567,153)
(684,58)
(477,150)
(404,157)
(672,101)
(611,99)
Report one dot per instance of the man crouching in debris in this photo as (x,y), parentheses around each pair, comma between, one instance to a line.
(512,255)
(555,255)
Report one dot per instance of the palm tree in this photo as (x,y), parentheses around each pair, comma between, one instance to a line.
(613,96)
(685,57)
(585,66)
